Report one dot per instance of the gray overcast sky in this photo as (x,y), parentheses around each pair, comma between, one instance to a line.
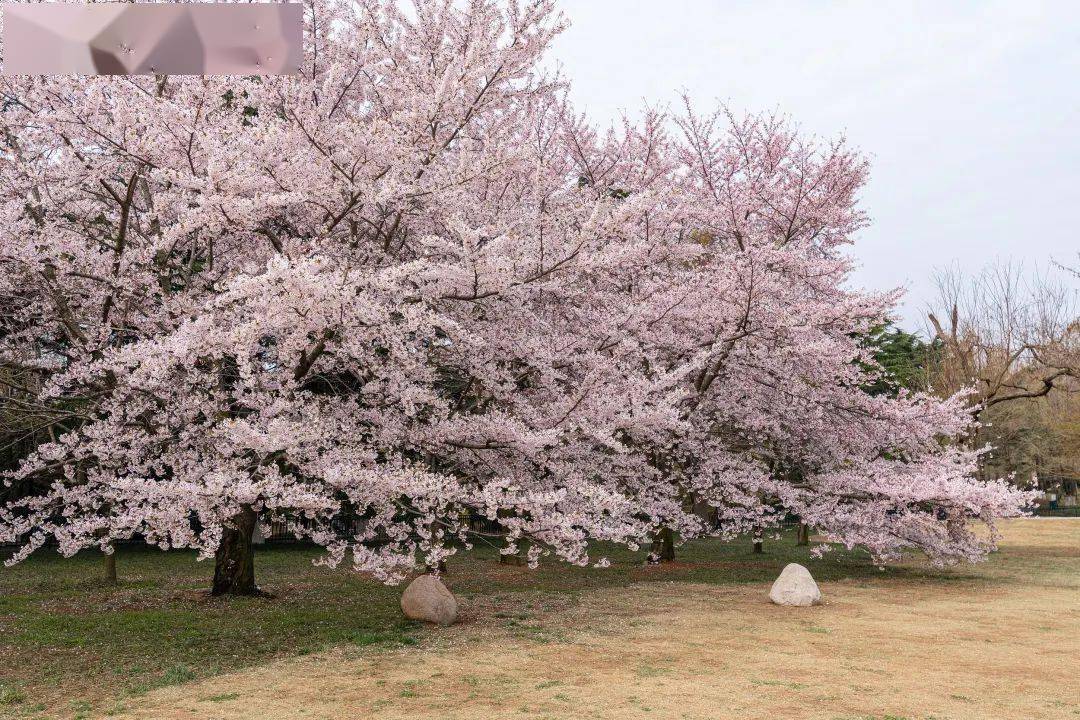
(969,111)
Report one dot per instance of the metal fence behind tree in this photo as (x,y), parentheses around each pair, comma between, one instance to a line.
(1065,492)
(1071,511)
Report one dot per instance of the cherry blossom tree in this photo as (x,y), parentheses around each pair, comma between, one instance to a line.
(761,330)
(411,286)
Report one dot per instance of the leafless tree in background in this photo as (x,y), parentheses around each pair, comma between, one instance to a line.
(1013,334)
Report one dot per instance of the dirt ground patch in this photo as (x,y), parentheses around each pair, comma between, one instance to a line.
(995,642)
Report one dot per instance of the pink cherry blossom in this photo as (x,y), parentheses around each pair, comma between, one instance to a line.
(413,286)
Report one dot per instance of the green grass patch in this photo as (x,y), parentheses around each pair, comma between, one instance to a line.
(68,636)
(11,695)
(225,697)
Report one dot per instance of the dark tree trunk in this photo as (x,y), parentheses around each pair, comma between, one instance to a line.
(234,563)
(110,568)
(663,547)
(804,534)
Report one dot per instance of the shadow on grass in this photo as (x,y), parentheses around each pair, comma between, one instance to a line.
(70,636)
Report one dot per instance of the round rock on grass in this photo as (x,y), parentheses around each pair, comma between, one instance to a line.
(795,587)
(427,599)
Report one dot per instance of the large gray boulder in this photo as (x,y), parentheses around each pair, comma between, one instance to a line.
(427,599)
(796,587)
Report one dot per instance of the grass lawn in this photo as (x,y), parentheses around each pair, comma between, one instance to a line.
(74,648)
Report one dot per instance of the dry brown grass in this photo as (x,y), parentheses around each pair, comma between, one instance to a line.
(998,641)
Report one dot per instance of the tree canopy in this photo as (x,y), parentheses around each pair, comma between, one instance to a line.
(412,284)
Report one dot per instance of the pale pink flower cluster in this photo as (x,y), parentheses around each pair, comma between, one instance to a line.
(413,285)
